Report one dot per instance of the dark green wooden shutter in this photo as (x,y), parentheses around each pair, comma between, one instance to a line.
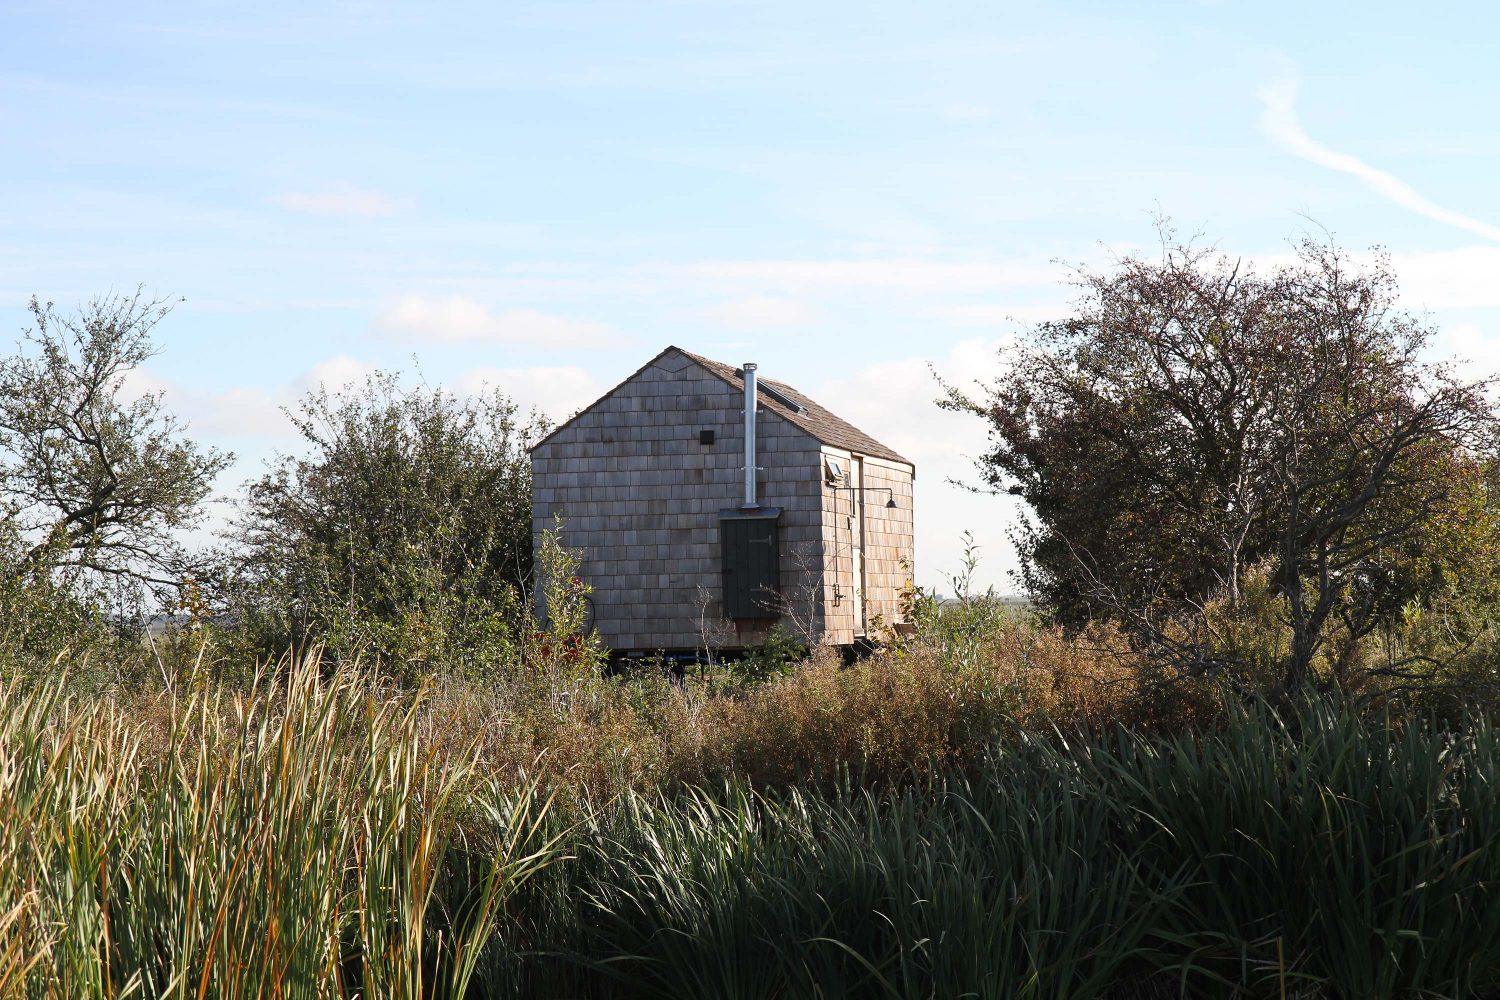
(752,566)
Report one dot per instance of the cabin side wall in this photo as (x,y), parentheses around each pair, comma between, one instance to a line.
(889,538)
(640,497)
(887,545)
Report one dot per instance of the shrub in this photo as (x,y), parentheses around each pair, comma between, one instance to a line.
(47,626)
(403,535)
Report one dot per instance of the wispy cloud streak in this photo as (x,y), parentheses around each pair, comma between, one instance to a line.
(1279,120)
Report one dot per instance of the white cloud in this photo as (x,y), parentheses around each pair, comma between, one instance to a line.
(334,374)
(810,283)
(342,200)
(456,319)
(256,412)
(760,312)
(1464,278)
(243,412)
(557,392)
(1461,278)
(140,382)
(1477,355)
(233,413)
(1279,120)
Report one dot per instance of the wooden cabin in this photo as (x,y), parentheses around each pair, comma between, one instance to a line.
(708,504)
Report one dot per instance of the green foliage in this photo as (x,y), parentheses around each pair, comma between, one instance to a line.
(1317,856)
(1197,419)
(94,482)
(776,656)
(565,653)
(44,624)
(963,629)
(404,534)
(319,836)
(295,842)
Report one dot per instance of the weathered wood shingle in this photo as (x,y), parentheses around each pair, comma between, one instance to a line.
(641,496)
(820,422)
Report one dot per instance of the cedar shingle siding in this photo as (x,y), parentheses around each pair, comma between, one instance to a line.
(641,497)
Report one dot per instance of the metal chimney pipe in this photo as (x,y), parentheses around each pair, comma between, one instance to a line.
(750,400)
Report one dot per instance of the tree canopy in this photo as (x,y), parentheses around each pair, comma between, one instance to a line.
(404,531)
(96,483)
(1197,417)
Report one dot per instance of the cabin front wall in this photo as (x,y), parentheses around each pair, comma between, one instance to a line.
(640,499)
(886,541)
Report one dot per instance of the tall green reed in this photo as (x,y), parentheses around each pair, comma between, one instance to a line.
(1322,854)
(287,842)
(308,836)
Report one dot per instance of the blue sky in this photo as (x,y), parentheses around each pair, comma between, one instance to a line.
(541,196)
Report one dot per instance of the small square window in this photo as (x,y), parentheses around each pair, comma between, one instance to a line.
(705,437)
(833,469)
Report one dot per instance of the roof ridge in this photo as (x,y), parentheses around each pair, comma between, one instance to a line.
(814,419)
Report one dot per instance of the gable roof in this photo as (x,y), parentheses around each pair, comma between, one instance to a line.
(817,421)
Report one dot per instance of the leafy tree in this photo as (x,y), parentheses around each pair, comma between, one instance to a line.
(94,484)
(404,532)
(45,624)
(1196,418)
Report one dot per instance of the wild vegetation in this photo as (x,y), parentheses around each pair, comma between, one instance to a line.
(903,828)
(1197,422)
(404,533)
(1239,744)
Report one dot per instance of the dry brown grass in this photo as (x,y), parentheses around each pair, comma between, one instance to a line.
(903,712)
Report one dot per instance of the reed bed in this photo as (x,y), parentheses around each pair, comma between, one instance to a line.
(295,840)
(1323,855)
(318,835)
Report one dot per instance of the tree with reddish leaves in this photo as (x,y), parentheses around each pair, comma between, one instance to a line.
(1197,417)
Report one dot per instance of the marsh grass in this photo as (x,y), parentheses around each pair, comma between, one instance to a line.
(898,829)
(1318,855)
(289,841)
